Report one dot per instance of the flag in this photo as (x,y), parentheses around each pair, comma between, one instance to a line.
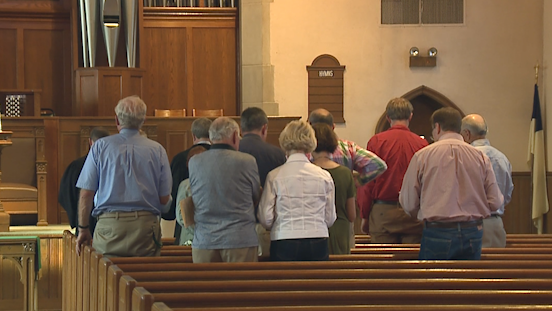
(536,160)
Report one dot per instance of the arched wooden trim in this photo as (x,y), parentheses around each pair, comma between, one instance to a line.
(419,91)
(322,61)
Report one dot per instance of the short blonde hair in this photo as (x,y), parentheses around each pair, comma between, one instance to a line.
(298,135)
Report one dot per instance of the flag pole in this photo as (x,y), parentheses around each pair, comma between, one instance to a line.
(537,73)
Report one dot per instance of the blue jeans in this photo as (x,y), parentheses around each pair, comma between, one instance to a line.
(451,243)
(300,250)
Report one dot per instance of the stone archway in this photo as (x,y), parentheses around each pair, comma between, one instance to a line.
(425,101)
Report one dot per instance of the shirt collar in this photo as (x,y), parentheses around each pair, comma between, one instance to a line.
(399,127)
(298,157)
(480,142)
(252,135)
(129,132)
(203,142)
(451,135)
(222,146)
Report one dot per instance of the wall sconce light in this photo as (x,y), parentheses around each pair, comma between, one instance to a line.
(423,61)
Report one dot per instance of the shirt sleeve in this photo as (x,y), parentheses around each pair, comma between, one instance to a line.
(165,182)
(255,181)
(365,198)
(494,197)
(267,205)
(409,196)
(509,186)
(89,177)
(330,213)
(367,164)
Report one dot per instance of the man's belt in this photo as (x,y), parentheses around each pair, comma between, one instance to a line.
(134,214)
(461,224)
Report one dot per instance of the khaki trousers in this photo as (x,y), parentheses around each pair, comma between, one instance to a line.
(390,224)
(494,234)
(246,254)
(128,234)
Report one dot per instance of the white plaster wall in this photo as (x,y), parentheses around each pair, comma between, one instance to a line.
(483,66)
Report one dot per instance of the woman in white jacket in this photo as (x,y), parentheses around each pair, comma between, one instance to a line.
(298,200)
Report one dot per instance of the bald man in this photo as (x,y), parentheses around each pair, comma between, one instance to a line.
(474,131)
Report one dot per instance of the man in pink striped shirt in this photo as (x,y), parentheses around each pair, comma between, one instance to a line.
(451,187)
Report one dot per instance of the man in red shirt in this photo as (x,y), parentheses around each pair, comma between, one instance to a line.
(382,216)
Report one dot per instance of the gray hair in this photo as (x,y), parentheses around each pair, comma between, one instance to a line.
(131,112)
(475,124)
(223,128)
(298,135)
(200,127)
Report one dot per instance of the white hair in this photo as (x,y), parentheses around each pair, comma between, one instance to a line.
(131,112)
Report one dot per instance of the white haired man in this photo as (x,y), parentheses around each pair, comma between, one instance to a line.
(130,177)
(225,189)
(474,131)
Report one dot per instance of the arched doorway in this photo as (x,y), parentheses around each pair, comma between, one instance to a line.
(425,101)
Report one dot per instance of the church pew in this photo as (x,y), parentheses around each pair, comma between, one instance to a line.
(159,306)
(125,288)
(508,250)
(127,285)
(94,284)
(142,300)
(141,265)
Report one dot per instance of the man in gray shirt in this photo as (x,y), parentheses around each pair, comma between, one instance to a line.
(225,189)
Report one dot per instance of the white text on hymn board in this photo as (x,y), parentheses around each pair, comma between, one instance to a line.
(325,73)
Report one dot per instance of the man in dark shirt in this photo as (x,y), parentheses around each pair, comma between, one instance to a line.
(68,196)
(254,127)
(179,167)
(388,223)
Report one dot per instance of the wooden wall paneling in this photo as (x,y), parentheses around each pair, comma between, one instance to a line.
(517,215)
(8,58)
(182,92)
(99,89)
(111,88)
(51,128)
(166,68)
(86,93)
(43,6)
(177,142)
(20,59)
(47,66)
(214,76)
